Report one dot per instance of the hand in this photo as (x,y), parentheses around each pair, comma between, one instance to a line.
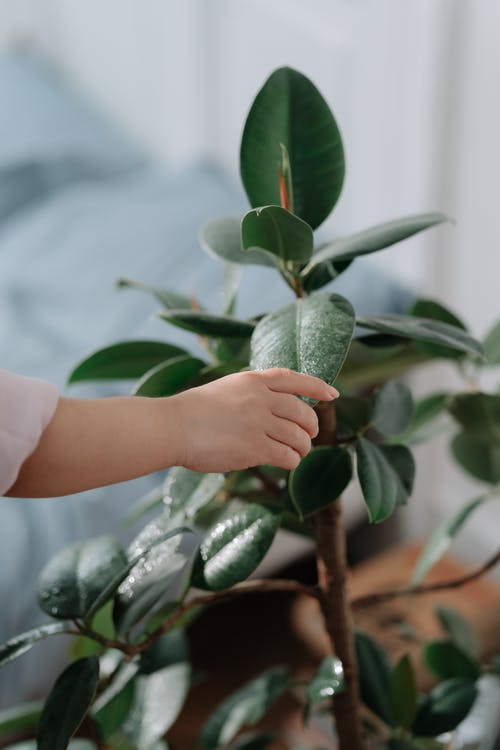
(249,419)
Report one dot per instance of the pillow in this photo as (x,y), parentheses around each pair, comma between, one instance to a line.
(49,135)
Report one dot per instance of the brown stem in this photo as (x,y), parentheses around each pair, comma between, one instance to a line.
(270,484)
(426,588)
(332,569)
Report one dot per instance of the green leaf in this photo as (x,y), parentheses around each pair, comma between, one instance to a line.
(394,744)
(427,308)
(169,649)
(374,676)
(423,329)
(67,704)
(205,324)
(459,630)
(327,682)
(244,707)
(20,718)
(277,231)
(386,474)
(290,111)
(126,360)
(170,300)
(492,345)
(113,712)
(149,578)
(446,660)
(319,479)
(73,745)
(443,536)
(234,547)
(221,238)
(444,708)
(353,415)
(480,458)
(147,503)
(189,491)
(425,415)
(254,741)
(478,414)
(403,693)
(70,583)
(169,377)
(233,274)
(392,408)
(312,335)
(345,249)
(15,647)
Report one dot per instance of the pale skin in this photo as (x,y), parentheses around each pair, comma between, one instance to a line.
(242,420)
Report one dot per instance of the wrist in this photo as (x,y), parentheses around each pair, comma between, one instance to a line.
(174,420)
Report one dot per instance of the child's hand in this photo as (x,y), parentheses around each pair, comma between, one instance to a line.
(249,419)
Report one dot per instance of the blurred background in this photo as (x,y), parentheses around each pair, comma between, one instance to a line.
(120,123)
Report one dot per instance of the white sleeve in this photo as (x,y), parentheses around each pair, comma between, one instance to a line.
(26,408)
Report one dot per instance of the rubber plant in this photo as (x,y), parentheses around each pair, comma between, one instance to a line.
(134,604)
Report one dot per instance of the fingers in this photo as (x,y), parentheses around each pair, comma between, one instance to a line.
(290,434)
(281,455)
(290,407)
(288,381)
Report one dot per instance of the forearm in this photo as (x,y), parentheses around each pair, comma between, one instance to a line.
(96,442)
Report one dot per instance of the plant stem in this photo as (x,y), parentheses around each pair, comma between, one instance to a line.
(332,568)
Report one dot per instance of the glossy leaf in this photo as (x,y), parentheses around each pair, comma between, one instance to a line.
(423,329)
(279,232)
(492,345)
(67,704)
(289,110)
(427,308)
(345,249)
(327,682)
(478,414)
(126,360)
(311,335)
(403,693)
(221,238)
(444,708)
(319,479)
(374,676)
(481,458)
(167,298)
(244,707)
(446,660)
(353,415)
(459,630)
(113,712)
(205,324)
(442,538)
(386,475)
(15,647)
(20,718)
(189,491)
(392,408)
(426,421)
(70,583)
(234,547)
(233,274)
(169,377)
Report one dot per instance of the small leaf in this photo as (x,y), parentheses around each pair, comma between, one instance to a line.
(478,414)
(169,649)
(15,647)
(442,538)
(170,300)
(70,583)
(492,345)
(234,547)
(20,718)
(244,707)
(426,308)
(446,661)
(327,682)
(67,704)
(480,458)
(386,476)
(374,676)
(444,708)
(221,238)
(113,712)
(392,408)
(403,693)
(189,491)
(353,415)
(205,324)
(319,479)
(277,231)
(423,329)
(126,360)
(233,274)
(169,377)
(459,630)
(423,424)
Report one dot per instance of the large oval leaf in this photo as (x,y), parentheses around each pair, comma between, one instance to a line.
(481,458)
(423,329)
(67,704)
(311,335)
(444,708)
(245,707)
(374,676)
(427,420)
(319,479)
(459,630)
(169,377)
(221,238)
(403,693)
(328,681)
(126,360)
(428,308)
(392,408)
(206,324)
(386,475)
(234,547)
(170,300)
(478,414)
(70,583)
(189,491)
(18,645)
(279,232)
(289,110)
(447,660)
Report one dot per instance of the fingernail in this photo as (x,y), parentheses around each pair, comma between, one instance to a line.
(333,392)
